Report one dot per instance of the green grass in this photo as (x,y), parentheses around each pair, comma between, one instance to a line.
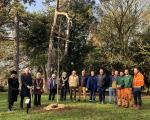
(74,111)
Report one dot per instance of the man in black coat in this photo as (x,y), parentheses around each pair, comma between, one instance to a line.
(13,91)
(26,86)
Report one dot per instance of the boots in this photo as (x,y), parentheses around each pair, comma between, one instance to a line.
(138,107)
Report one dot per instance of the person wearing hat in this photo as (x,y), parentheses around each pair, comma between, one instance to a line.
(52,87)
(63,86)
(13,89)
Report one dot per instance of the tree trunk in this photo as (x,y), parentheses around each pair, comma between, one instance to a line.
(51,47)
(45,78)
(16,43)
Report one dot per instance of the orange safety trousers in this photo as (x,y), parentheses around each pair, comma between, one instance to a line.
(120,92)
(127,97)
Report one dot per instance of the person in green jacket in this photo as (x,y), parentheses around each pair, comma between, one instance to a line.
(120,85)
(127,96)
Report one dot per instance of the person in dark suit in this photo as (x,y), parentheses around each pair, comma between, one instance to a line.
(13,90)
(26,86)
(38,89)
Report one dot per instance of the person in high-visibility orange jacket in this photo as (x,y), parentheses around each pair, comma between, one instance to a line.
(138,83)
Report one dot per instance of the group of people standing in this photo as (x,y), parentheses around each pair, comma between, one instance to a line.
(127,89)
(28,86)
(124,90)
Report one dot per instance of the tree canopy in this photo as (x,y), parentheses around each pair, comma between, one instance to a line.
(113,34)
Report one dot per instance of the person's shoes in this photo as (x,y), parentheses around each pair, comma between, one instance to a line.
(90,100)
(116,106)
(74,101)
(138,107)
(29,107)
(102,103)
(9,110)
(35,105)
(134,106)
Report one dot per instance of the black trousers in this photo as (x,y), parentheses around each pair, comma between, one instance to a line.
(101,91)
(73,93)
(63,93)
(37,99)
(137,98)
(22,101)
(10,105)
(92,95)
(52,94)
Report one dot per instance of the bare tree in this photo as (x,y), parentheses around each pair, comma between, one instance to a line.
(51,52)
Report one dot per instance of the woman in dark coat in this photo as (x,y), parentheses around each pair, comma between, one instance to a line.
(38,89)
(13,91)
(26,86)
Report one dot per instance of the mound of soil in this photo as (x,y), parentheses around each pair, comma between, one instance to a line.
(54,107)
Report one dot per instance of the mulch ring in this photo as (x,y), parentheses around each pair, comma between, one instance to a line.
(63,108)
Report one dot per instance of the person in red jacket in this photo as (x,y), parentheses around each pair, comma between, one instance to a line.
(138,83)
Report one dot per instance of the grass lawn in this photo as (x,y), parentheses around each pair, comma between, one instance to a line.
(74,111)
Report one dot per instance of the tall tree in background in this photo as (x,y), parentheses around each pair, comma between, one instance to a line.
(35,37)
(12,10)
(83,19)
(119,25)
